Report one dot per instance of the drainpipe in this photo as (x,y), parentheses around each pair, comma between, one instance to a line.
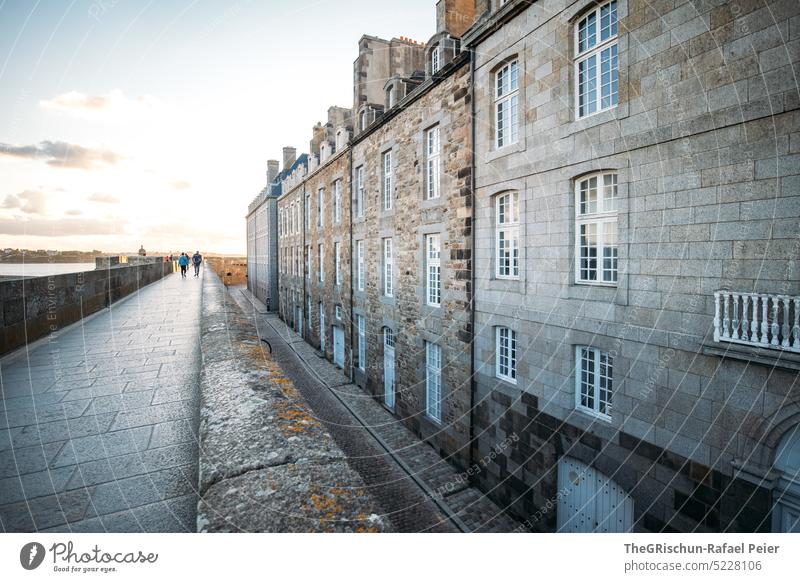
(306,258)
(350,251)
(471,302)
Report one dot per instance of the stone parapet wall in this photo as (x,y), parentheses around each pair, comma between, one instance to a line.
(35,307)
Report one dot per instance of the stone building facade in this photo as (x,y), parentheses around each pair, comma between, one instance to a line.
(613,340)
(633,201)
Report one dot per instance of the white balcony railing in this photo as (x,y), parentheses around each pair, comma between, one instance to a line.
(756,319)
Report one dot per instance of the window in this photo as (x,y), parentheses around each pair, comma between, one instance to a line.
(280,222)
(388,337)
(361,354)
(388,268)
(337,201)
(596,67)
(338,312)
(295,218)
(321,263)
(436,59)
(360,264)
(593,383)
(596,229)
(294,268)
(363,120)
(392,96)
(307,254)
(387,180)
(307,210)
(433,265)
(506,354)
(506,105)
(507,243)
(337,263)
(320,205)
(360,191)
(433,381)
(432,148)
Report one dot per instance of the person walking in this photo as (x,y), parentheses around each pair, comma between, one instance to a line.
(183,262)
(197,260)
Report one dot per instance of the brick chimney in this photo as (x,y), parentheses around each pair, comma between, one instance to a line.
(273,167)
(455,16)
(289,154)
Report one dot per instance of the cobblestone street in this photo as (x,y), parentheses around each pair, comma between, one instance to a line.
(98,423)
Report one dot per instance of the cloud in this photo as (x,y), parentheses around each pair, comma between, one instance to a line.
(62,154)
(112,105)
(29,202)
(105,198)
(181,184)
(74,212)
(61,227)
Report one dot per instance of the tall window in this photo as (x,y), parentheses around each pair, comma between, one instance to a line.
(436,59)
(388,267)
(506,354)
(596,67)
(360,191)
(593,381)
(596,229)
(307,210)
(433,381)
(387,180)
(507,243)
(320,205)
(321,263)
(280,222)
(506,105)
(337,201)
(307,254)
(360,262)
(337,263)
(433,265)
(361,354)
(432,149)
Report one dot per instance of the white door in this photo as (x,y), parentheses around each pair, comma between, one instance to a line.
(321,329)
(388,367)
(338,346)
(590,501)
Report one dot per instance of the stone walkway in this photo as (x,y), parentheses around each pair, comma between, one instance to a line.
(98,424)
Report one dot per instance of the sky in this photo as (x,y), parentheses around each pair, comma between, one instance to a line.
(134,122)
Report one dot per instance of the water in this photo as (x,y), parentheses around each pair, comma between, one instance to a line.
(42,269)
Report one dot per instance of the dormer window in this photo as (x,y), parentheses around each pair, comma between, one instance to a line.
(392,96)
(363,120)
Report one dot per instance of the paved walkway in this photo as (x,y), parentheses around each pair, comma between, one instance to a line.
(98,425)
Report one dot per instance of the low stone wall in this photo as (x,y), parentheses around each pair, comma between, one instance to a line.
(232,270)
(34,307)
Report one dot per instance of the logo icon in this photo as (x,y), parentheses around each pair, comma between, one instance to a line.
(31,555)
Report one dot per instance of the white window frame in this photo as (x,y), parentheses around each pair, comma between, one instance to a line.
(433,147)
(433,270)
(361,326)
(604,223)
(433,381)
(506,354)
(506,105)
(436,59)
(360,265)
(321,265)
(603,48)
(337,201)
(360,191)
(320,206)
(507,247)
(596,383)
(307,210)
(337,312)
(388,267)
(337,262)
(388,195)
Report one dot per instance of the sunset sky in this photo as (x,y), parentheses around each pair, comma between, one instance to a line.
(131,122)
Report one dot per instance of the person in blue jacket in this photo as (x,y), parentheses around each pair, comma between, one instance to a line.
(183,262)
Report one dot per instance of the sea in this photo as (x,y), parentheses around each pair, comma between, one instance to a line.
(42,269)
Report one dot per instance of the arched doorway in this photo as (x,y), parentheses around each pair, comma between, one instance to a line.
(786,494)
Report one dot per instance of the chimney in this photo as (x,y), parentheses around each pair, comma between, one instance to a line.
(272,170)
(317,135)
(288,157)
